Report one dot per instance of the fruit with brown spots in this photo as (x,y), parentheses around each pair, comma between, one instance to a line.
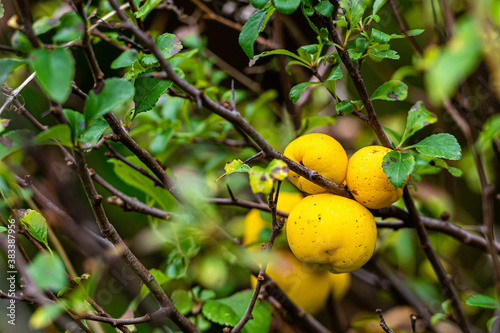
(367,181)
(318,152)
(333,231)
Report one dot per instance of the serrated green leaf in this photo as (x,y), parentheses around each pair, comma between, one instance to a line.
(48,272)
(418,118)
(7,66)
(235,166)
(277,170)
(397,167)
(76,121)
(147,92)
(380,37)
(71,28)
(335,74)
(114,93)
(228,312)
(286,6)
(46,315)
(441,145)
(54,71)
(260,181)
(125,59)
(344,108)
(251,30)
(259,4)
(298,89)
(385,54)
(482,301)
(59,134)
(145,9)
(354,55)
(35,225)
(44,24)
(311,122)
(183,301)
(391,91)
(169,46)
(325,8)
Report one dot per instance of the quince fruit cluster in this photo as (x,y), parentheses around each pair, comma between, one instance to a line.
(331,230)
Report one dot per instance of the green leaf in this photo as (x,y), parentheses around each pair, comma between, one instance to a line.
(391,91)
(489,323)
(145,9)
(46,315)
(385,54)
(54,71)
(325,8)
(335,74)
(298,89)
(397,167)
(377,4)
(344,108)
(277,170)
(234,166)
(15,140)
(455,172)
(2,10)
(44,24)
(380,37)
(311,122)
(161,140)
(411,33)
(456,61)
(251,29)
(437,317)
(35,225)
(491,131)
(93,133)
(47,272)
(147,92)
(260,181)
(418,118)
(114,93)
(142,183)
(183,301)
(442,145)
(76,121)
(394,134)
(7,66)
(71,28)
(169,46)
(482,301)
(286,6)
(56,135)
(279,51)
(125,59)
(159,276)
(20,42)
(259,4)
(228,312)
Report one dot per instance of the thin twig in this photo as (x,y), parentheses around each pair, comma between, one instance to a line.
(382,322)
(16,91)
(275,228)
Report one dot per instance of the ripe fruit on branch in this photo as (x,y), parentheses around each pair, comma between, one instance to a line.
(318,152)
(367,181)
(331,230)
